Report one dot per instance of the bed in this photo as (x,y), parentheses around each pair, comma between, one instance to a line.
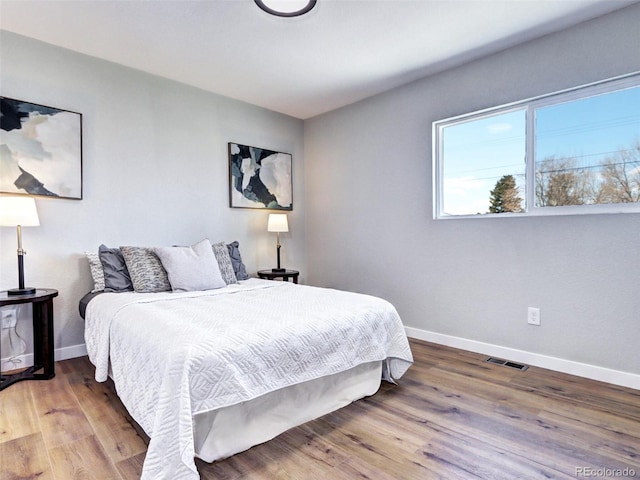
(211,373)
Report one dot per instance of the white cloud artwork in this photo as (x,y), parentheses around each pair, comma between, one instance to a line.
(40,150)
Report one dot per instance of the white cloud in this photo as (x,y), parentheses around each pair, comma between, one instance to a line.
(497,128)
(466,195)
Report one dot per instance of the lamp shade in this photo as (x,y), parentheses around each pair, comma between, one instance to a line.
(277,223)
(16,211)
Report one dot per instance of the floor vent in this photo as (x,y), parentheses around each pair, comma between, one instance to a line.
(507,363)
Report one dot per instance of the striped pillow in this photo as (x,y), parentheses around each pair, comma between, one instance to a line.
(145,269)
(224,262)
(97,272)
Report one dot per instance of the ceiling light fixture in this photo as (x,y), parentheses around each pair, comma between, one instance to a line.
(286,8)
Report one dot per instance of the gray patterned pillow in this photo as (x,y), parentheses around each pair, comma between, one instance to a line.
(145,269)
(97,272)
(224,262)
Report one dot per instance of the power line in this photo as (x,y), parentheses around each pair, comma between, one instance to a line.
(573,157)
(558,132)
(587,167)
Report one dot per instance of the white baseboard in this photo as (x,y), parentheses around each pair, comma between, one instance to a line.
(63,353)
(593,372)
(71,352)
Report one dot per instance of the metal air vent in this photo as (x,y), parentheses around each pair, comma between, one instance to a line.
(507,363)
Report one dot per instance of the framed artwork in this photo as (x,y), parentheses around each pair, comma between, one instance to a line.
(259,178)
(40,150)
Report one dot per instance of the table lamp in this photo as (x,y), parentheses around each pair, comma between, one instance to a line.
(278,223)
(19,212)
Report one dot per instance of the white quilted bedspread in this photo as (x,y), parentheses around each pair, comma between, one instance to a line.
(174,355)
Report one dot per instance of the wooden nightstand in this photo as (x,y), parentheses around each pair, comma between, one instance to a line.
(43,349)
(286,275)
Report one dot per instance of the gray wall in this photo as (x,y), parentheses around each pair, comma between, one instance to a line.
(370,227)
(155,172)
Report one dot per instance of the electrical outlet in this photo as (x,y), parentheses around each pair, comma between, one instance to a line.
(9,318)
(533,316)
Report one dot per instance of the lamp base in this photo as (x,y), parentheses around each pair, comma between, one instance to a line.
(21,291)
(278,270)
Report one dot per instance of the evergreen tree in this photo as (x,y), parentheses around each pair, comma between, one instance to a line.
(504,196)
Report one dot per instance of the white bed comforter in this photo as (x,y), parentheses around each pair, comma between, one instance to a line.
(174,355)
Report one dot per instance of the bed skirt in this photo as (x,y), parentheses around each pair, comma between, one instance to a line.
(224,432)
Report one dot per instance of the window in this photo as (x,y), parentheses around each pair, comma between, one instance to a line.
(576,151)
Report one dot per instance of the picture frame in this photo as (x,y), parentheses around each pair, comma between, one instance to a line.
(40,150)
(260,178)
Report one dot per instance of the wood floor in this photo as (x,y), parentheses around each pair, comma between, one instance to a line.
(453,416)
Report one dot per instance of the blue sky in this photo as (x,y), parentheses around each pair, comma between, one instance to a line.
(479,152)
(476,155)
(592,127)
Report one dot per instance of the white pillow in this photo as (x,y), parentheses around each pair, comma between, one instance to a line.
(191,268)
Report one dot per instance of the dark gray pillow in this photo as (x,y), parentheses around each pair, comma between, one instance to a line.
(116,275)
(236,260)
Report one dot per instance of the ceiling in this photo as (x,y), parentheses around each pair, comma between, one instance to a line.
(339,53)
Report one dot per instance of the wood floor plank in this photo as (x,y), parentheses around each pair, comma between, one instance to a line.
(616,446)
(108,418)
(131,468)
(593,417)
(25,458)
(352,419)
(314,446)
(467,458)
(369,447)
(292,461)
(83,459)
(60,415)
(609,442)
(271,463)
(232,468)
(355,467)
(523,434)
(453,416)
(609,398)
(17,400)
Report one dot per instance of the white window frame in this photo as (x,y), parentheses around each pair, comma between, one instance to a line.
(530,105)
